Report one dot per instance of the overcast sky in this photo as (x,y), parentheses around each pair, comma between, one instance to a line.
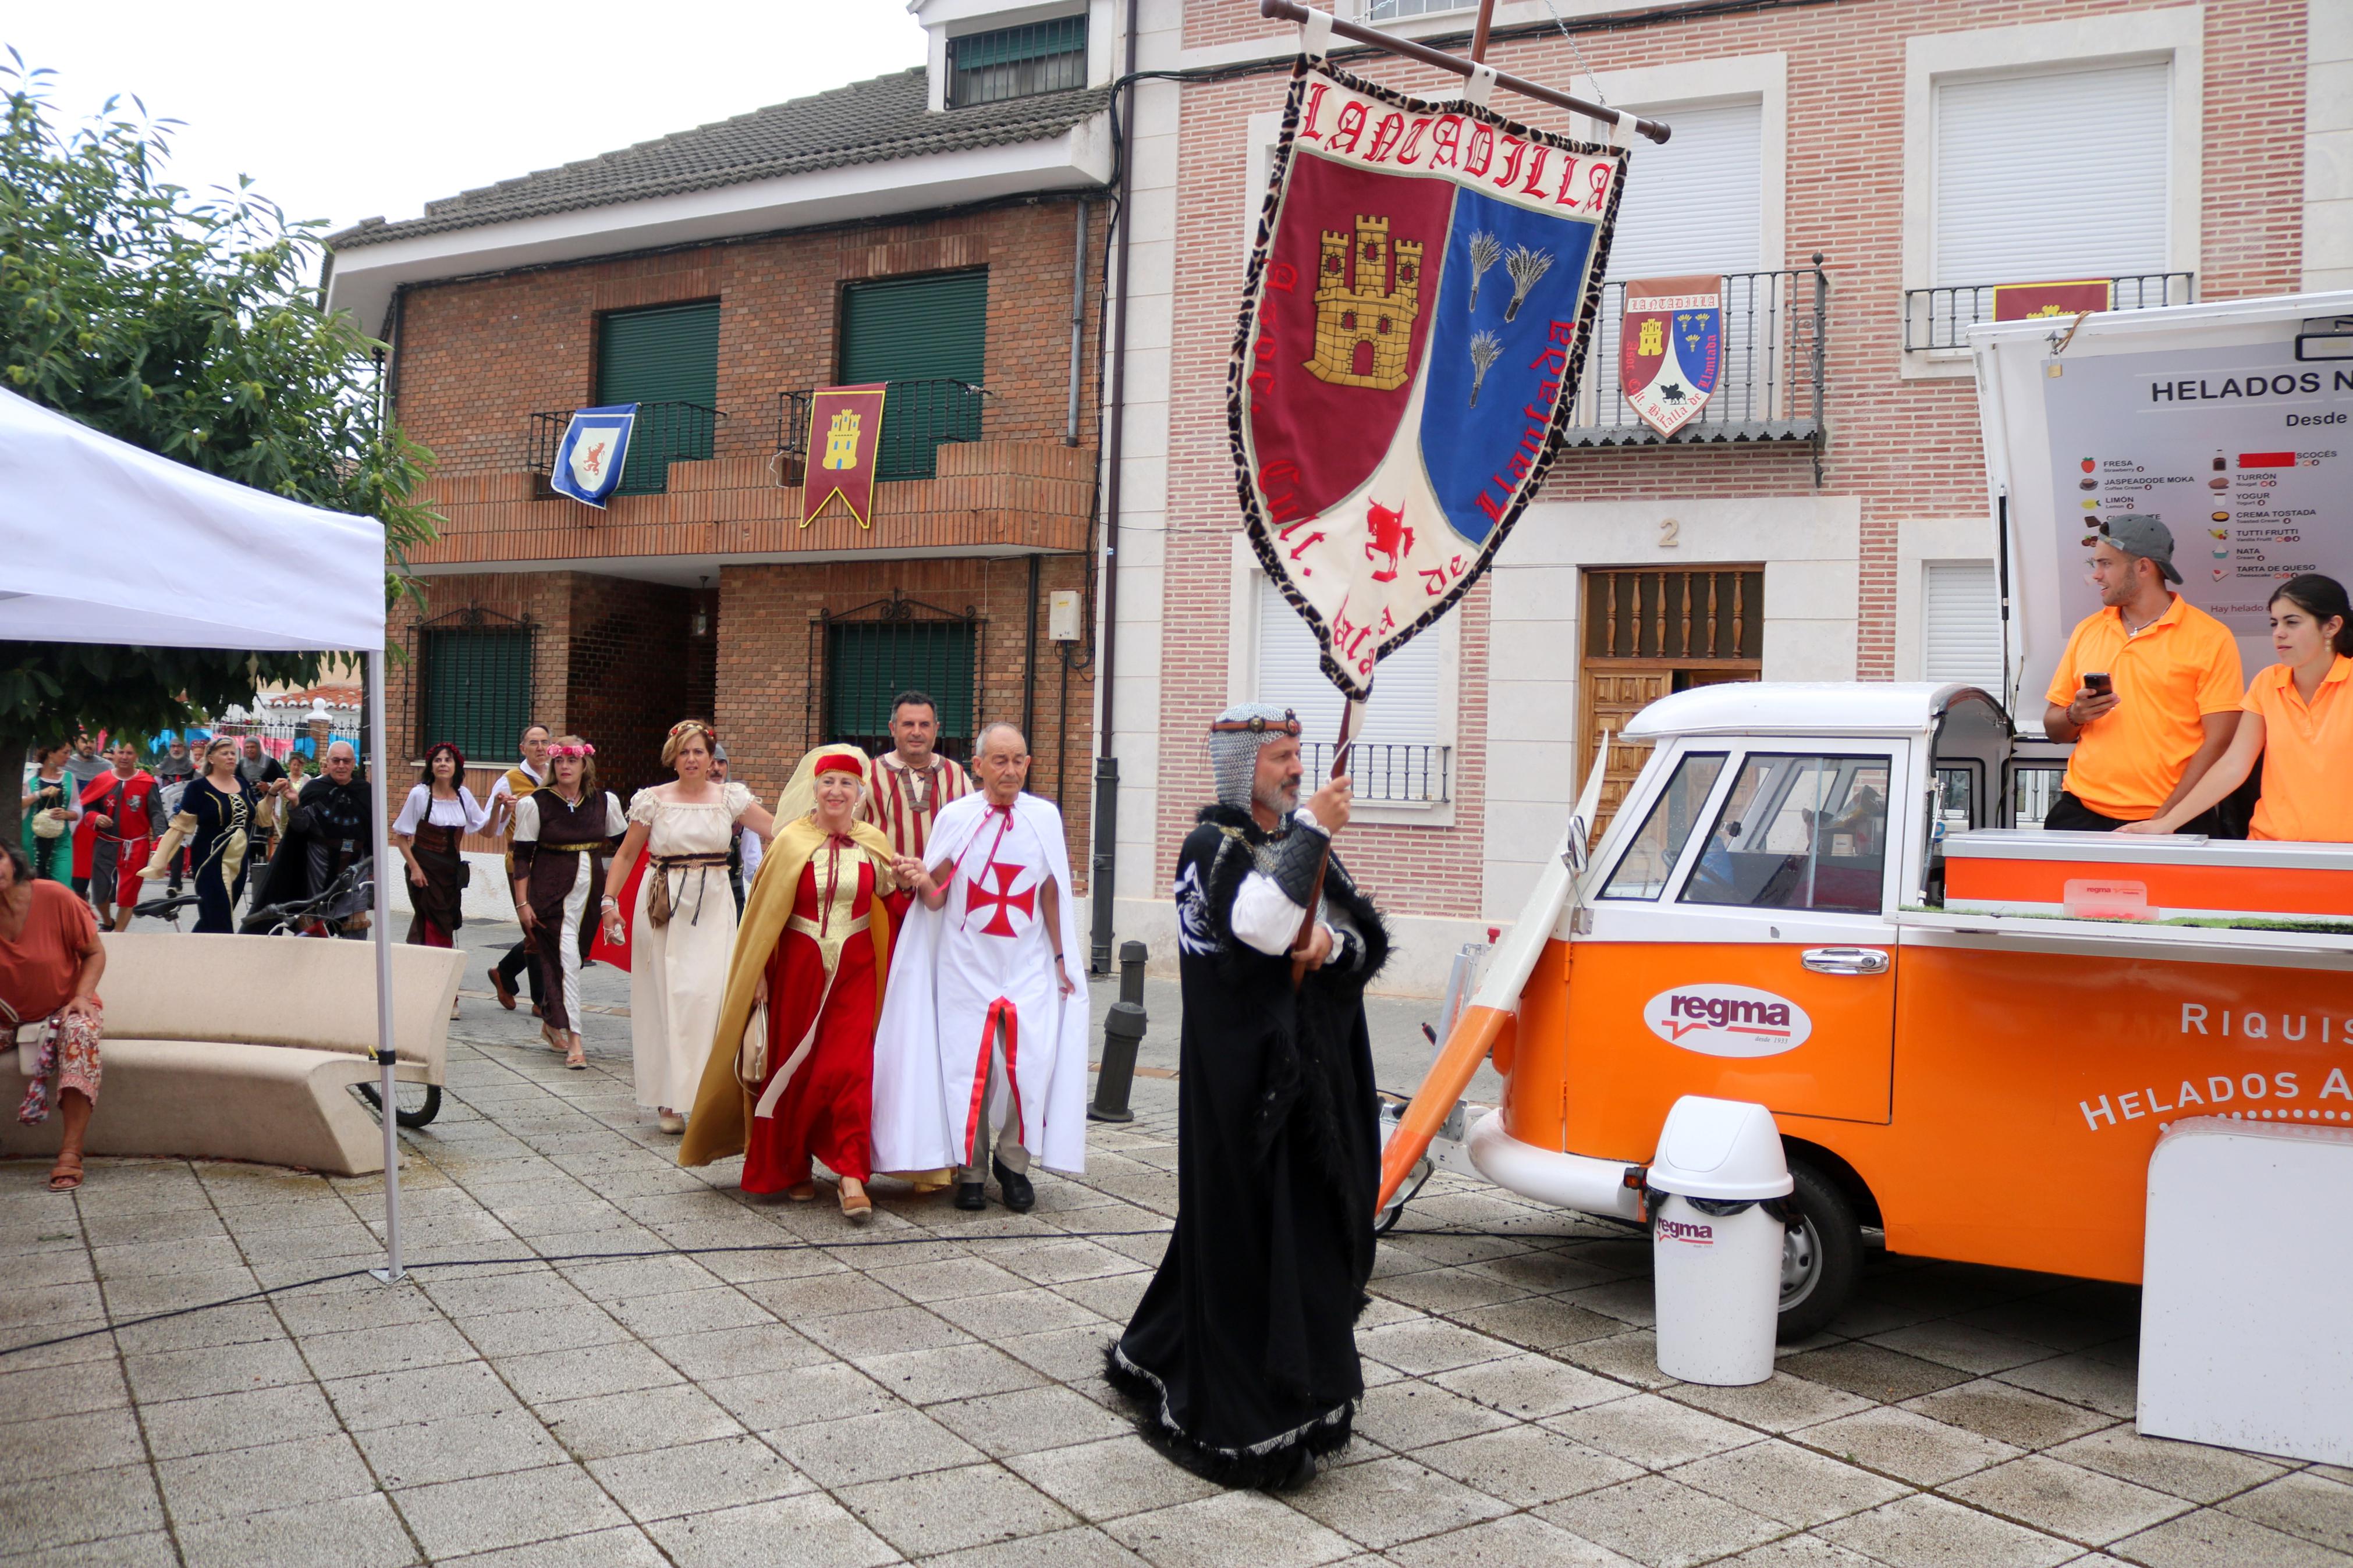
(341,111)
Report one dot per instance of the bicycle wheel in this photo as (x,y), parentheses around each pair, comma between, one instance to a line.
(416,1103)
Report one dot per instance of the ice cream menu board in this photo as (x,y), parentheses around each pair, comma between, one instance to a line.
(2243,452)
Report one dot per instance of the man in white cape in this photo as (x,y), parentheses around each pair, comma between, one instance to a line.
(983,1036)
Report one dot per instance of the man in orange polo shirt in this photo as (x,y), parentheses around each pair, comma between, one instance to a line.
(2174,689)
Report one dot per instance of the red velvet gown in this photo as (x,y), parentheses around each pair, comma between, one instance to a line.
(827,1109)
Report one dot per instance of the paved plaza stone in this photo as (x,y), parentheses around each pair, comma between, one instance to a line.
(600,1359)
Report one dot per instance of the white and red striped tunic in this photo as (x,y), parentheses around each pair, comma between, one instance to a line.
(904,805)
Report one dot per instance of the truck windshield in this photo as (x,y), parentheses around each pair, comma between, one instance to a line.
(1649,860)
(1798,833)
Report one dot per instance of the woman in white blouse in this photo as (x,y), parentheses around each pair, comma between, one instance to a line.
(684,922)
(440,812)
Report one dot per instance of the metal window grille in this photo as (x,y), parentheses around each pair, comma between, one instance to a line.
(864,658)
(1674,614)
(1018,62)
(1397,10)
(1387,773)
(1770,384)
(473,681)
(1941,317)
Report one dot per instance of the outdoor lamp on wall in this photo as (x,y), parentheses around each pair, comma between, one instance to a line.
(700,625)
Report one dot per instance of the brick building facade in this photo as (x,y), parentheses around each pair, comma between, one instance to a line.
(714,279)
(1840,537)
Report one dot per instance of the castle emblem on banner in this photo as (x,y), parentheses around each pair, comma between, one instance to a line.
(1362,323)
(1671,348)
(1418,312)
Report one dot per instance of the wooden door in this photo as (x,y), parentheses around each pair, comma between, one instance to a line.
(1650,632)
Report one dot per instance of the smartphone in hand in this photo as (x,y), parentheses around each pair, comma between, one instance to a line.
(2098,682)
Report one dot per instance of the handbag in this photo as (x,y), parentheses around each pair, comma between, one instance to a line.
(752,1055)
(465,875)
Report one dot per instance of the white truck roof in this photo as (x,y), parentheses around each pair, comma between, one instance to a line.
(1818,708)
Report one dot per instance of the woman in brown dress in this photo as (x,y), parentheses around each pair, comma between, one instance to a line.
(565,832)
(440,812)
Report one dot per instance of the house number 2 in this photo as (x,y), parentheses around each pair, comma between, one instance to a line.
(1669,534)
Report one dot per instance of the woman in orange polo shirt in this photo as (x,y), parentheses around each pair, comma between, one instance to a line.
(2298,717)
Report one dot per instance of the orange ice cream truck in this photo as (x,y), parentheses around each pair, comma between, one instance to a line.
(1805,903)
(1819,898)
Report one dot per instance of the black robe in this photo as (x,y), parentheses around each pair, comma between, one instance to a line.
(325,831)
(1243,1350)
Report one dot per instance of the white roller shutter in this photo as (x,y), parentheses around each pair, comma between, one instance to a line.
(1696,204)
(1960,624)
(2051,175)
(1404,710)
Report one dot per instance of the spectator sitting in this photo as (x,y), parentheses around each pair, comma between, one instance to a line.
(51,961)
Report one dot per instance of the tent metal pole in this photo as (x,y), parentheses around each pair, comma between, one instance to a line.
(391,1273)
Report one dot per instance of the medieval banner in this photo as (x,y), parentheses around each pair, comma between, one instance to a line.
(845,436)
(1414,322)
(1671,348)
(2025,301)
(589,460)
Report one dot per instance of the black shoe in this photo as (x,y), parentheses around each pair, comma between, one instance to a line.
(971,1195)
(1014,1188)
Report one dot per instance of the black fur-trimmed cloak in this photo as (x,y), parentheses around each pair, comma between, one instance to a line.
(1243,1349)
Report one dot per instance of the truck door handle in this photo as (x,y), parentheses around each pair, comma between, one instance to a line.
(1846,960)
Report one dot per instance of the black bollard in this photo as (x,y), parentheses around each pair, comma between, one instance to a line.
(1121,1030)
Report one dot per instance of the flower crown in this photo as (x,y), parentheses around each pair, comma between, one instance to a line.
(583,750)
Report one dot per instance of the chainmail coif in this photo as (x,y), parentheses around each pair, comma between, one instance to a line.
(1233,754)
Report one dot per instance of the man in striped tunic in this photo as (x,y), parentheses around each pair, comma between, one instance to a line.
(906,787)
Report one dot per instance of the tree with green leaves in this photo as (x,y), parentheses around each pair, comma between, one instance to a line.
(183,323)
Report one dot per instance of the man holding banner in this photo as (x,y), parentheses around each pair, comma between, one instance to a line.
(1243,1348)
(1418,311)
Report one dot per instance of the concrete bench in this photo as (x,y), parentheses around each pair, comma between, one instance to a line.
(243,1047)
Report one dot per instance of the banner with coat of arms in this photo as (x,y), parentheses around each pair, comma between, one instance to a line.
(589,458)
(1414,322)
(1671,348)
(845,438)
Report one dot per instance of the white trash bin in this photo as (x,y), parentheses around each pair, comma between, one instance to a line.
(1716,1249)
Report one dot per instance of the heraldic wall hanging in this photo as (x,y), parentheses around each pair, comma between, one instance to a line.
(1414,323)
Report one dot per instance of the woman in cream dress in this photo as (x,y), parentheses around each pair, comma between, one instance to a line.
(684,925)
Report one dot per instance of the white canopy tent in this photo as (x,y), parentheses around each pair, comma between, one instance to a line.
(103,542)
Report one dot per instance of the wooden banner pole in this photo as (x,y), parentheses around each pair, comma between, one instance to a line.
(1349,713)
(1478,31)
(1357,32)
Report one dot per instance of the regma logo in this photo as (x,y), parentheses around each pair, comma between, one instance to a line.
(1728,1020)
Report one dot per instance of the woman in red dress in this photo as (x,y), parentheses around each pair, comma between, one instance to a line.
(811,957)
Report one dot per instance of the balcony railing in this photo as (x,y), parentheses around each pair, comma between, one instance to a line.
(919,418)
(1770,388)
(1941,317)
(665,433)
(1385,775)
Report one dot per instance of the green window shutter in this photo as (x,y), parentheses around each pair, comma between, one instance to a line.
(917,329)
(929,338)
(477,690)
(868,666)
(668,356)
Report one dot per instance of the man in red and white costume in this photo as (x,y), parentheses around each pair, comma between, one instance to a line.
(983,1027)
(907,788)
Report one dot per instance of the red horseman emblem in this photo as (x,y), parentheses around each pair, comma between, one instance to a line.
(1386,535)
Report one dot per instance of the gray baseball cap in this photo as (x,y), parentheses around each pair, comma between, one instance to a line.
(2144,536)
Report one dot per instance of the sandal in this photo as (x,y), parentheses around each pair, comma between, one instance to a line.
(668,1121)
(65,1177)
(856,1206)
(577,1058)
(801,1192)
(554,1037)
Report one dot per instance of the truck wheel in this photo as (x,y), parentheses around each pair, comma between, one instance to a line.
(1819,1255)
